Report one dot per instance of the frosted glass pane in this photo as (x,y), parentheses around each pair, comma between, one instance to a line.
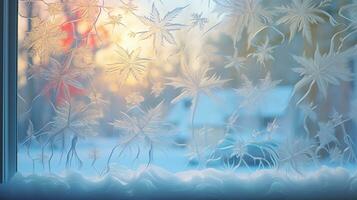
(234,85)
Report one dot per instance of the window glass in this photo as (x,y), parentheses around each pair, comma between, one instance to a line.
(232,85)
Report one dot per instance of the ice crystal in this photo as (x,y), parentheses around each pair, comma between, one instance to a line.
(249,14)
(128,7)
(161,28)
(142,127)
(44,39)
(134,99)
(198,20)
(244,152)
(115,21)
(97,98)
(254,94)
(87,9)
(145,124)
(300,15)
(195,82)
(129,64)
(61,79)
(294,154)
(322,70)
(263,52)
(76,119)
(235,61)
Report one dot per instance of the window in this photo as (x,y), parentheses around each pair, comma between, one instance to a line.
(181,85)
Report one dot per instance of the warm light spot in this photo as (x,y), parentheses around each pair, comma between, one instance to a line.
(129,43)
(83,27)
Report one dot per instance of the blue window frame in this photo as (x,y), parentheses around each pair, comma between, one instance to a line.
(8,143)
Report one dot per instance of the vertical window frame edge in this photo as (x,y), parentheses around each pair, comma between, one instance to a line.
(9,89)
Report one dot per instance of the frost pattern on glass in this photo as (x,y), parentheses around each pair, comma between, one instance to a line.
(230,84)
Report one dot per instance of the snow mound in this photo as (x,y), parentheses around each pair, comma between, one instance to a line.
(156,183)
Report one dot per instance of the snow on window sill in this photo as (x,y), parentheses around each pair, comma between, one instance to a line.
(207,183)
